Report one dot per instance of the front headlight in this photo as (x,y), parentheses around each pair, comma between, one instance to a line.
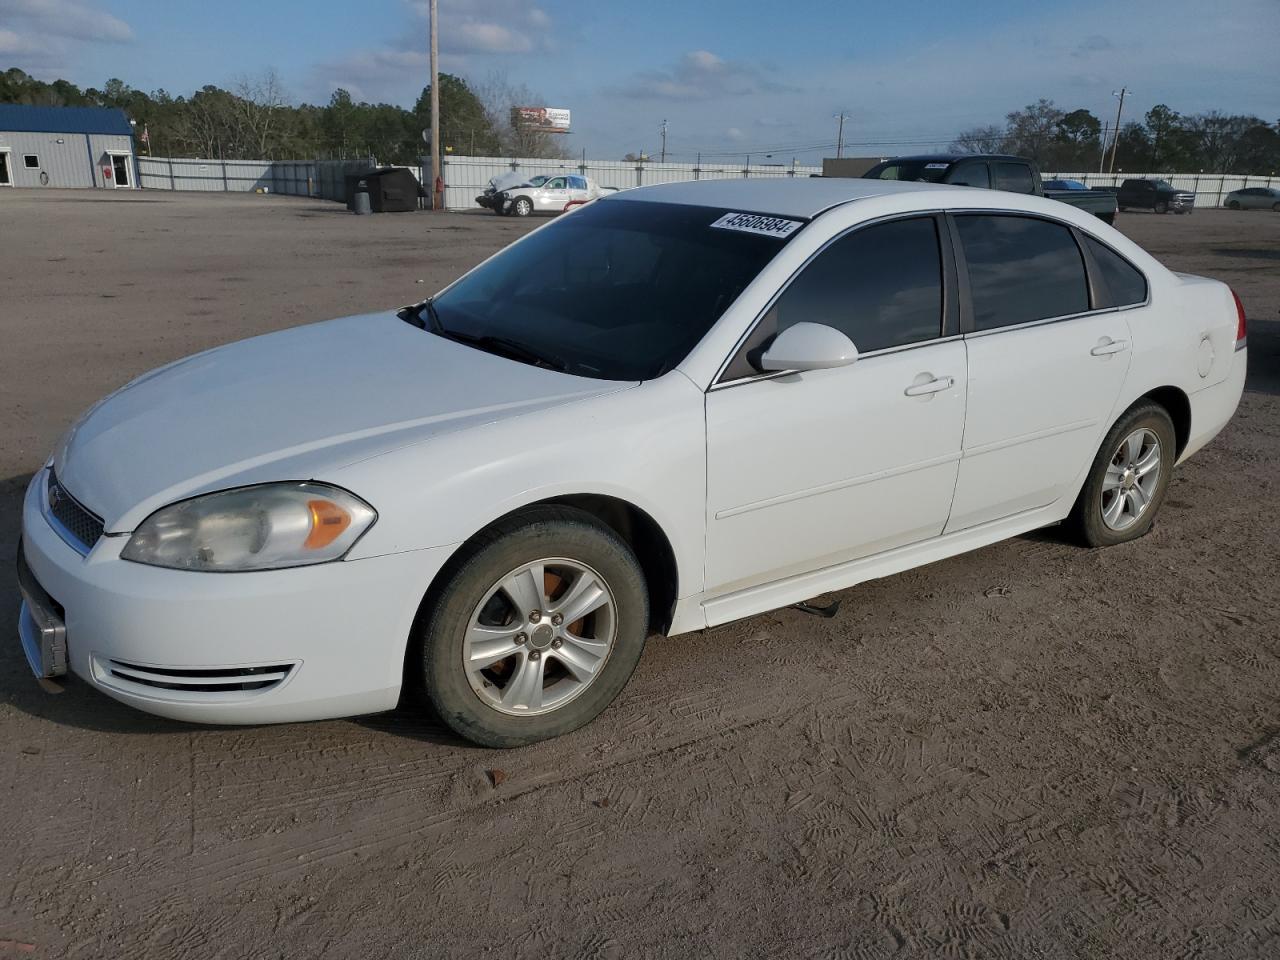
(265,527)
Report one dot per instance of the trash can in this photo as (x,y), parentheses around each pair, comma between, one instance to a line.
(359,198)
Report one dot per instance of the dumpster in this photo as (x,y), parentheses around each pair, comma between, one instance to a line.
(391,189)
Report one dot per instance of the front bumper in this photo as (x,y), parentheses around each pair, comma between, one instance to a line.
(306,643)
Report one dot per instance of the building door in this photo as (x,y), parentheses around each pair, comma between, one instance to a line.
(120,167)
(5,179)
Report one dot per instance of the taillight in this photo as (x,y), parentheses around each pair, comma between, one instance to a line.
(1240,324)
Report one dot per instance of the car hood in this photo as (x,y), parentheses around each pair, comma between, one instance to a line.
(292,405)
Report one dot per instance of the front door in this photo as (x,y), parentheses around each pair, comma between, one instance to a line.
(5,179)
(1045,367)
(812,469)
(553,195)
(120,168)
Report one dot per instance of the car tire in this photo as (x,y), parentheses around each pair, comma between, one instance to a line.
(479,599)
(1121,473)
(1276,207)
(1235,205)
(522,207)
(1162,207)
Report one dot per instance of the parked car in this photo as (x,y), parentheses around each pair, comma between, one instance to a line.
(1159,196)
(993,171)
(1254,198)
(496,185)
(682,405)
(553,194)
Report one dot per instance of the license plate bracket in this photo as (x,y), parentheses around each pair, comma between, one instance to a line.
(40,626)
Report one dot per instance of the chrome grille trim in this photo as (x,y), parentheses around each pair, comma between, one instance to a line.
(199,680)
(72,521)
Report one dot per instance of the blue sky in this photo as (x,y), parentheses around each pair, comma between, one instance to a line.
(738,77)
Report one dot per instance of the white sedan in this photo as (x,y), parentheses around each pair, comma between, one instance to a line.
(680,406)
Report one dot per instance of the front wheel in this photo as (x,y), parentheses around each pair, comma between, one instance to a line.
(538,628)
(1128,479)
(1162,207)
(1235,205)
(522,207)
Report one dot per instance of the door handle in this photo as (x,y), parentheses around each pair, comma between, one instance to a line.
(1107,346)
(929,386)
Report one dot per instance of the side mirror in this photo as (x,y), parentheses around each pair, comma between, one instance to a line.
(809,346)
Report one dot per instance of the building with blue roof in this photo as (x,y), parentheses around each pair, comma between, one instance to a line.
(66,147)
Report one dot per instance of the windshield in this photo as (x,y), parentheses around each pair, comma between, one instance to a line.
(931,171)
(617,290)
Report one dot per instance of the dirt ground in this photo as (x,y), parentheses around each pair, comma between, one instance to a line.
(1031,751)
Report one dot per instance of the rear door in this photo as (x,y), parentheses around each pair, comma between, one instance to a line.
(1047,359)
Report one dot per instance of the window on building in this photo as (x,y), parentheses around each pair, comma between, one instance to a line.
(31,161)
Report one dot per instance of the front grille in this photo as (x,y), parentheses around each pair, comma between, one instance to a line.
(78,526)
(200,680)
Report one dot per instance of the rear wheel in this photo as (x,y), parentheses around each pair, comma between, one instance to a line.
(1128,479)
(539,627)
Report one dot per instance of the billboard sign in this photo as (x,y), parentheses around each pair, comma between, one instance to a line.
(545,119)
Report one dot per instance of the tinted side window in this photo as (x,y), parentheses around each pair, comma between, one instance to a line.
(970,175)
(1125,283)
(1021,269)
(1014,177)
(881,286)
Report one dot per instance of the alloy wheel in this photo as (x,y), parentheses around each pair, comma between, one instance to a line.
(540,637)
(1132,479)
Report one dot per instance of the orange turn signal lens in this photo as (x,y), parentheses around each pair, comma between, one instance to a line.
(328,520)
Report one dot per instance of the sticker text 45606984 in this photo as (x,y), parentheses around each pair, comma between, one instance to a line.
(758,223)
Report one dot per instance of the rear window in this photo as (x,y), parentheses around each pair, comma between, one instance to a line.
(1021,269)
(1014,177)
(931,171)
(1125,283)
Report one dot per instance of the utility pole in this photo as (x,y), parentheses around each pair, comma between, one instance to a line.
(1115,143)
(664,142)
(435,112)
(842,117)
(1102,152)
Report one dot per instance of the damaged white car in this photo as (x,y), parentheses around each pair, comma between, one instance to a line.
(511,195)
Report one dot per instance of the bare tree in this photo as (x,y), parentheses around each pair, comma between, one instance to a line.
(499,96)
(259,109)
(988,139)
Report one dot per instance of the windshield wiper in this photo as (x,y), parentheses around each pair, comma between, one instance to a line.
(504,346)
(425,316)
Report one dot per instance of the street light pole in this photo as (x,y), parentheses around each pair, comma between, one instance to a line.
(664,142)
(435,112)
(1115,143)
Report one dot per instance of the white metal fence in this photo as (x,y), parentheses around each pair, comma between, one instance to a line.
(465,177)
(1211,189)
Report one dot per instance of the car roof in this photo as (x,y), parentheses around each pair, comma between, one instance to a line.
(784,196)
(953,157)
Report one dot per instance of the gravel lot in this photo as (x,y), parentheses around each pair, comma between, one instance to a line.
(1030,751)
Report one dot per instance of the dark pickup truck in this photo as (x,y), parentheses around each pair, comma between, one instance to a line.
(993,171)
(1158,195)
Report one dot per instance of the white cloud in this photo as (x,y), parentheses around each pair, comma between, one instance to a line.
(43,36)
(702,75)
(471,33)
(65,19)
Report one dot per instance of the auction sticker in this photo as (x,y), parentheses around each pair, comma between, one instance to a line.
(757,223)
